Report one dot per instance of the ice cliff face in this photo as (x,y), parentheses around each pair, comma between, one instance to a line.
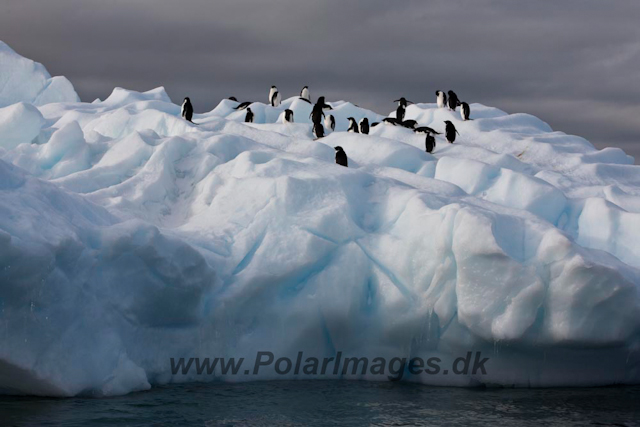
(129,236)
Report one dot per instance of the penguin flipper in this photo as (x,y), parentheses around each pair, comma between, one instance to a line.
(305,100)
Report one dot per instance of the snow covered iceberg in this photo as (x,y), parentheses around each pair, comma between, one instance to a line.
(130,237)
(23,80)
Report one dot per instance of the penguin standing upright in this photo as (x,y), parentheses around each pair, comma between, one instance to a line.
(341,157)
(187,110)
(453,100)
(450,132)
(402,107)
(248,118)
(304,94)
(274,97)
(364,126)
(318,130)
(441,99)
(288,116)
(330,122)
(429,143)
(353,125)
(317,112)
(465,111)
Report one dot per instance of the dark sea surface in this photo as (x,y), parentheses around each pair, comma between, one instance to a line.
(325,403)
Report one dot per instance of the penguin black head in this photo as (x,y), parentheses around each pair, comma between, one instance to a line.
(305,87)
(249,110)
(437,93)
(186,99)
(338,148)
(321,100)
(448,122)
(351,119)
(451,92)
(288,115)
(273,87)
(233,98)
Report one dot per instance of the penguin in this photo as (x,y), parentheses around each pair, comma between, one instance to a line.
(429,143)
(426,130)
(465,111)
(374,124)
(330,122)
(402,107)
(453,100)
(318,130)
(341,157)
(304,94)
(232,98)
(274,97)
(317,112)
(353,125)
(187,110)
(441,99)
(364,126)
(392,121)
(410,124)
(450,132)
(248,118)
(288,116)
(242,105)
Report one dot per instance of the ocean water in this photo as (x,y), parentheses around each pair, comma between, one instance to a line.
(325,403)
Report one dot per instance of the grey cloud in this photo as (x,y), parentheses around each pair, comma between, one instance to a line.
(572,63)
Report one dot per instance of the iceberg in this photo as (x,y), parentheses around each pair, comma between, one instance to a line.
(131,239)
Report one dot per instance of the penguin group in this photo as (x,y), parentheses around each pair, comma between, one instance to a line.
(320,120)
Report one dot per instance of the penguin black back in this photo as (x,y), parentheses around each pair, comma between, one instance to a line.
(450,132)
(318,130)
(341,157)
(426,130)
(242,106)
(453,100)
(364,126)
(248,118)
(429,143)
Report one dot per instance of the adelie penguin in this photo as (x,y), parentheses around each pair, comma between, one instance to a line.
(441,99)
(341,157)
(187,110)
(430,141)
(248,118)
(453,100)
(426,130)
(364,126)
(353,125)
(304,94)
(402,107)
(317,112)
(318,130)
(450,132)
(288,116)
(465,111)
(242,105)
(330,122)
(274,97)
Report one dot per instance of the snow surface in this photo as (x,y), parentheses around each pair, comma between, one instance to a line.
(129,236)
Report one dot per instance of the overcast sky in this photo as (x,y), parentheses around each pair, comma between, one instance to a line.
(573,63)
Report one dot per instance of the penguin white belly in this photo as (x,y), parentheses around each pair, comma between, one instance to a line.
(440,101)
